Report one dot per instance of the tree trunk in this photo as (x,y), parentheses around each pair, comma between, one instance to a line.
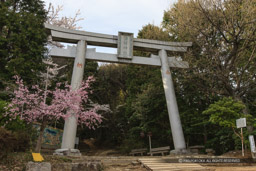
(205,135)
(40,137)
(44,122)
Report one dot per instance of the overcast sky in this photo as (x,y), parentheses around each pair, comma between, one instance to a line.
(111,16)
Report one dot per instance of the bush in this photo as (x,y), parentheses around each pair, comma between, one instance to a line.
(8,142)
(13,142)
(23,140)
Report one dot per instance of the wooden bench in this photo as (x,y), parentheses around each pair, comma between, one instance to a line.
(140,151)
(196,149)
(210,151)
(160,150)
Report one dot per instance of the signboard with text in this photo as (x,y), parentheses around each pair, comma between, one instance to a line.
(125,45)
(241,123)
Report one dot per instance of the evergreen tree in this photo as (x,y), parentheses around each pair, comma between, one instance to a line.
(22,40)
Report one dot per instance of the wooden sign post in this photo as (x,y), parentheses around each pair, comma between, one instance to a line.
(240,123)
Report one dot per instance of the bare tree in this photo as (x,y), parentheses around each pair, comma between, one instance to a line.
(223,57)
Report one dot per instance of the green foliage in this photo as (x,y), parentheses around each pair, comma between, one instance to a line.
(110,87)
(150,114)
(3,104)
(22,39)
(221,140)
(130,143)
(7,142)
(225,112)
(16,134)
(10,123)
(150,31)
(3,119)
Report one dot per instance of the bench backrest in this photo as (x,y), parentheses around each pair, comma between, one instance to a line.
(196,147)
(139,150)
(160,149)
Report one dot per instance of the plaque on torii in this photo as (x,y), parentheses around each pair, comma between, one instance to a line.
(125,43)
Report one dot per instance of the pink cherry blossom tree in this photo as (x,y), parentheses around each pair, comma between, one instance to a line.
(32,105)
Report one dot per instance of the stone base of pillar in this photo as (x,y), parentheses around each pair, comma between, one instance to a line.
(180,151)
(67,152)
(254,156)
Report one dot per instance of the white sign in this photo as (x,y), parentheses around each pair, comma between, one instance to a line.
(125,45)
(252,143)
(240,123)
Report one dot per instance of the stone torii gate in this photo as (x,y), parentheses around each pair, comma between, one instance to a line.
(125,44)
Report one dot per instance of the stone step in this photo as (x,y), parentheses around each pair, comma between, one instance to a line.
(156,164)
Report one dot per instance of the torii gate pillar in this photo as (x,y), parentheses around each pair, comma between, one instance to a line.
(177,133)
(70,127)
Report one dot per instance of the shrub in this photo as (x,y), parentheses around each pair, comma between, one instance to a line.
(23,140)
(8,142)
(13,142)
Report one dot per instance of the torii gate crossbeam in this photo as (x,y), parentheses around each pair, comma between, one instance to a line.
(125,44)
